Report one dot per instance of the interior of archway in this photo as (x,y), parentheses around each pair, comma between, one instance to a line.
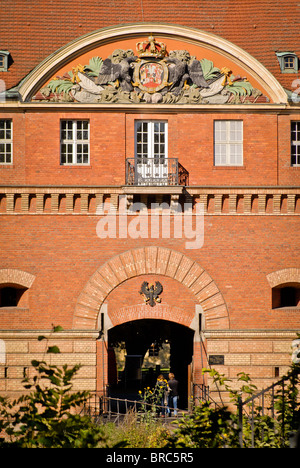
(140,350)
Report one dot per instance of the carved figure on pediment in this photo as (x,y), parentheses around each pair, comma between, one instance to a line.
(109,95)
(178,75)
(196,74)
(117,69)
(190,96)
(184,71)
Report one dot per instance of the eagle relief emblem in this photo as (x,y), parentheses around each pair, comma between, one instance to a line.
(151,292)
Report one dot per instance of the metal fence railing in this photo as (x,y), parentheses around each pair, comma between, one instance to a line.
(159,171)
(279,402)
(103,409)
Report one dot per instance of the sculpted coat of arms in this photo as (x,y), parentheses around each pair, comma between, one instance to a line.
(151,75)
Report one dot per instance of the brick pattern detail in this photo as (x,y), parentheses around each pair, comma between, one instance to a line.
(11,276)
(151,260)
(287,275)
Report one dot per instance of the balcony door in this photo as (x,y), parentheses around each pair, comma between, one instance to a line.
(151,152)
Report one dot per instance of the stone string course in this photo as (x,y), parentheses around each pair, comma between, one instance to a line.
(98,200)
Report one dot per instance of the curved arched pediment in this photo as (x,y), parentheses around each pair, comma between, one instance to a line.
(228,74)
(157,261)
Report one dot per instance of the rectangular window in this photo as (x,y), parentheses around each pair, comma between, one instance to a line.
(289,62)
(295,143)
(75,142)
(6,141)
(228,143)
(151,140)
(152,166)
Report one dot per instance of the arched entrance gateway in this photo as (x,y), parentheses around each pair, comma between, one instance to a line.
(140,350)
(151,306)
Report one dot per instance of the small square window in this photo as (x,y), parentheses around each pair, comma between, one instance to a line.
(288,62)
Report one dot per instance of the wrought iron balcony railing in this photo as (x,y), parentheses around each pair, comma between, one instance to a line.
(144,171)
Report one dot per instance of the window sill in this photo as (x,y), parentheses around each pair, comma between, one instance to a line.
(153,189)
(231,168)
(14,309)
(289,308)
(289,71)
(76,166)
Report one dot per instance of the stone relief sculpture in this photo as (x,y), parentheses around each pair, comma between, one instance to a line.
(151,76)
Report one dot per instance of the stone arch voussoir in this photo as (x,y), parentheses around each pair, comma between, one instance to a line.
(151,260)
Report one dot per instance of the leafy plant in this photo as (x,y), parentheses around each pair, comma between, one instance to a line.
(209,427)
(47,416)
(206,427)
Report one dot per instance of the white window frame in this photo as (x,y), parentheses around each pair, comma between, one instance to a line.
(6,142)
(69,139)
(228,143)
(295,143)
(150,152)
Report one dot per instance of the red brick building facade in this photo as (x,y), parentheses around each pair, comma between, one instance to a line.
(157,145)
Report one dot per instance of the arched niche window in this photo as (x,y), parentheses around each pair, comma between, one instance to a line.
(286,295)
(12,296)
(14,287)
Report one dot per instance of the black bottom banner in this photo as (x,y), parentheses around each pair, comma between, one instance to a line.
(153,457)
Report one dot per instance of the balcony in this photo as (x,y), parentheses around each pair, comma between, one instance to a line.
(157,171)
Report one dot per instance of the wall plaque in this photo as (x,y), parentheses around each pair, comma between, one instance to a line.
(216,359)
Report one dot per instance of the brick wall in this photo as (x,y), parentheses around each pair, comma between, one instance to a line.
(37,149)
(64,252)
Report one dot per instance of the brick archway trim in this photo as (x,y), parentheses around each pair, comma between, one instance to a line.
(151,260)
(19,277)
(287,275)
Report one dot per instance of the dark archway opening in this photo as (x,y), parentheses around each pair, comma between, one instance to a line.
(140,350)
(10,295)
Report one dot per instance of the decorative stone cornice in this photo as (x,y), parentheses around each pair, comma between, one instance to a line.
(88,200)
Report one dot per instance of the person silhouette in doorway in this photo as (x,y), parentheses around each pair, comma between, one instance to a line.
(173,394)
